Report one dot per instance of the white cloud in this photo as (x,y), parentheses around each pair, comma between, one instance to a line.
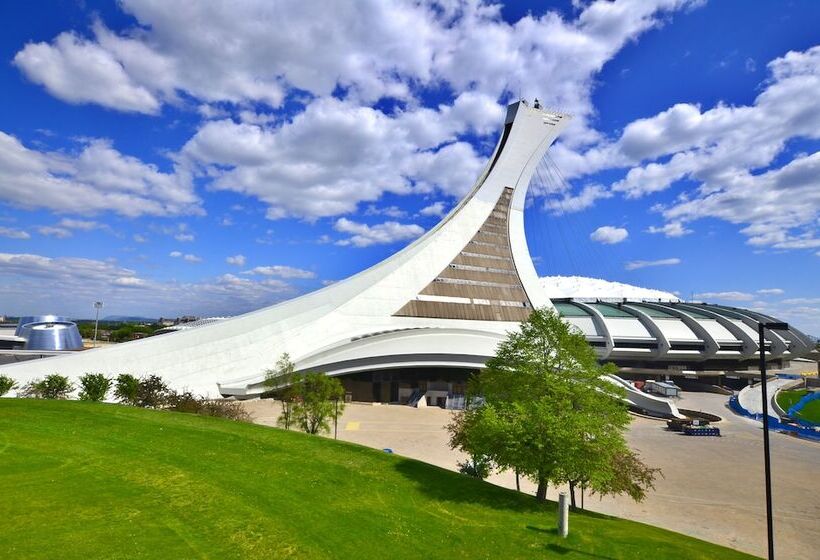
(139,238)
(726,296)
(801,301)
(96,179)
(13,233)
(329,158)
(83,225)
(236,260)
(364,235)
(434,209)
(81,71)
(568,203)
(635,265)
(58,232)
(609,235)
(336,154)
(225,52)
(281,271)
(671,229)
(389,211)
(771,291)
(184,237)
(27,281)
(187,257)
(726,150)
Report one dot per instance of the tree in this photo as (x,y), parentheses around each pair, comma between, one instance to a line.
(127,388)
(627,475)
(6,384)
(281,381)
(94,387)
(547,411)
(316,400)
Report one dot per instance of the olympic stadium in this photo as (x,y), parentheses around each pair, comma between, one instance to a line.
(413,327)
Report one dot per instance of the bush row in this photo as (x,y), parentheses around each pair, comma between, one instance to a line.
(146,392)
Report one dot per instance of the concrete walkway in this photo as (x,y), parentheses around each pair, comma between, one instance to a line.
(712,487)
(751,398)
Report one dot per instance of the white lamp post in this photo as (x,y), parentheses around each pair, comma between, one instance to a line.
(97,306)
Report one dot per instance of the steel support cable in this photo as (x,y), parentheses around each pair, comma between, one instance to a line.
(564,241)
(602,257)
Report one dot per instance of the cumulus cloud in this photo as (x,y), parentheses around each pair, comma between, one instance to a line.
(98,178)
(434,209)
(364,235)
(609,235)
(331,157)
(570,203)
(13,233)
(225,52)
(28,281)
(635,265)
(671,229)
(724,149)
(236,260)
(281,271)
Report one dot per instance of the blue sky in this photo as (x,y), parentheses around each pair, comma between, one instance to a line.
(211,159)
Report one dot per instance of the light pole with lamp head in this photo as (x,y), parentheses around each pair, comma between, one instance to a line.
(765,398)
(97,306)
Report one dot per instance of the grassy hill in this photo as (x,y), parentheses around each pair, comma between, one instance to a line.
(84,480)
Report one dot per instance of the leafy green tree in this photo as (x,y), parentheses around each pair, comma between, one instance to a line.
(626,474)
(127,389)
(281,381)
(318,398)
(546,410)
(6,384)
(94,387)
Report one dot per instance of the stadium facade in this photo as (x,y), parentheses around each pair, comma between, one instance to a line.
(418,323)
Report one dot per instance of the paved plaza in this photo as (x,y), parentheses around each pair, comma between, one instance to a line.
(712,487)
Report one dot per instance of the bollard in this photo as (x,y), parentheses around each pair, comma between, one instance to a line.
(563,514)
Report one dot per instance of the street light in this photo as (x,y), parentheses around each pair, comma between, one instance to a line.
(97,306)
(764,395)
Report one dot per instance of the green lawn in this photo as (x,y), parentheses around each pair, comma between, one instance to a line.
(810,412)
(84,480)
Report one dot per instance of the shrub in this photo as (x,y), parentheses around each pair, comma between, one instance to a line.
(477,467)
(152,392)
(54,386)
(126,389)
(6,384)
(232,410)
(94,387)
(190,403)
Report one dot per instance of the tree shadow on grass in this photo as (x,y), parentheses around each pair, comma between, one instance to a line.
(447,486)
(562,550)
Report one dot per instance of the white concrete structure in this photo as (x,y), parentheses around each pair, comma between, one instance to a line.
(441,304)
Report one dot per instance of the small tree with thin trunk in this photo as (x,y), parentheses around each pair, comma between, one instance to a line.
(281,380)
(317,398)
(127,389)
